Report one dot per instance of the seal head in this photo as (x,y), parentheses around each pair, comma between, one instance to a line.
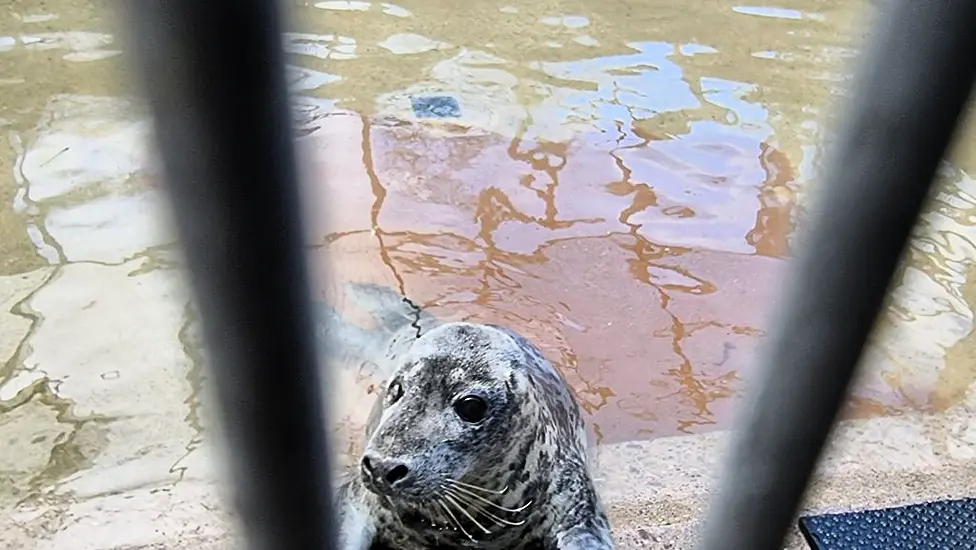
(476,441)
(459,395)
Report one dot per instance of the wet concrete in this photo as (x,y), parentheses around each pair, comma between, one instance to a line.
(623,186)
(655,490)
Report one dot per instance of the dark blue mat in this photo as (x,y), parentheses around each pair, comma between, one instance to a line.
(437,106)
(940,525)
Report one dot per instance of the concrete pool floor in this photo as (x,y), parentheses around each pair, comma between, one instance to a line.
(655,491)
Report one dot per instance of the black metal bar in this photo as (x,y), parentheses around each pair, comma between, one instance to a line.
(912,86)
(213,73)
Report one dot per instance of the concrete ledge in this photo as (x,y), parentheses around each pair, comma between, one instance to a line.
(655,491)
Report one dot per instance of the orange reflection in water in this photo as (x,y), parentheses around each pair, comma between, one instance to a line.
(643,267)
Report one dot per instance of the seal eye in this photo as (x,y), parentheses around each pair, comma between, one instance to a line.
(395,392)
(471,408)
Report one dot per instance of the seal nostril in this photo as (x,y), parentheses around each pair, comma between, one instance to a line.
(396,474)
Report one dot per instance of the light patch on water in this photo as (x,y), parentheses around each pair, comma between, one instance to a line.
(91,55)
(769,11)
(695,49)
(409,43)
(567,21)
(571,324)
(575,21)
(586,40)
(344,5)
(83,141)
(30,434)
(83,170)
(396,11)
(38,17)
(508,9)
(701,173)
(301,79)
(76,41)
(671,278)
(476,79)
(147,397)
(809,167)
(321,46)
(730,95)
(928,314)
(615,88)
(110,228)
(14,326)
(18,383)
(765,54)
(7,43)
(44,249)
(297,36)
(343,51)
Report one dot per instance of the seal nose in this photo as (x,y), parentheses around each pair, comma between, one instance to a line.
(384,472)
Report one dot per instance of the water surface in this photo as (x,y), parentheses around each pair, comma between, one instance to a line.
(622,186)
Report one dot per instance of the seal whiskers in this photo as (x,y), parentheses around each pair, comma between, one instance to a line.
(476,488)
(501,522)
(464,511)
(455,520)
(462,490)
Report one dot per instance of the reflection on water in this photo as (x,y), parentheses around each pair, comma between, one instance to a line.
(644,269)
(622,186)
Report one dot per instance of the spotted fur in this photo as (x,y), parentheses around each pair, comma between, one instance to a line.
(531,443)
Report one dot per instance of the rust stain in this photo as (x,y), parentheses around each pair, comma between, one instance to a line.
(645,272)
(379,192)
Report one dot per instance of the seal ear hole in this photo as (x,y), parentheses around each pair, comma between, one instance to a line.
(394,392)
(471,408)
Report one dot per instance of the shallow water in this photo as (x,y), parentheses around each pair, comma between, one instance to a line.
(622,186)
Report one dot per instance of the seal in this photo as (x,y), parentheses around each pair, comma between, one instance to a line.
(475,442)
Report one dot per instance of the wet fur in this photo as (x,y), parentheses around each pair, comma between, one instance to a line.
(532,442)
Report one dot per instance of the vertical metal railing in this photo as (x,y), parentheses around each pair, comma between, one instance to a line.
(214,77)
(914,80)
(213,73)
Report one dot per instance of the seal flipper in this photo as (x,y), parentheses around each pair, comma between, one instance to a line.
(585,536)
(399,323)
(357,530)
(392,311)
(585,526)
(338,338)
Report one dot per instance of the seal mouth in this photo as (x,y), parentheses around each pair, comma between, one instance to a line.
(479,508)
